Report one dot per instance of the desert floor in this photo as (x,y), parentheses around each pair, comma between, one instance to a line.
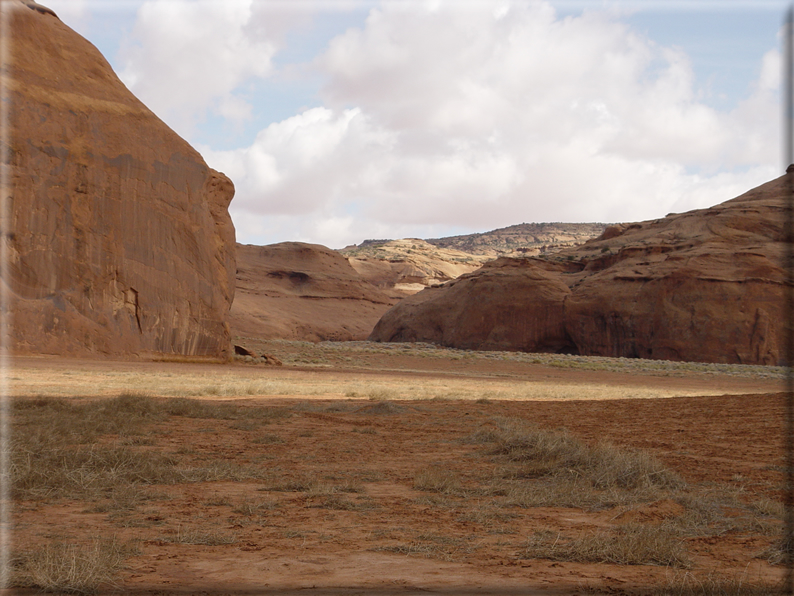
(391,469)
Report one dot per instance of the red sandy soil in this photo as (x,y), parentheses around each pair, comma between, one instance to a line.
(390,538)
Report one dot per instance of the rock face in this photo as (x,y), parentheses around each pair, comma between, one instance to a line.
(526,239)
(476,312)
(120,240)
(404,267)
(299,291)
(700,286)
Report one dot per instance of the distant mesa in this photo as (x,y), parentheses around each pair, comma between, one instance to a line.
(121,239)
(526,239)
(705,286)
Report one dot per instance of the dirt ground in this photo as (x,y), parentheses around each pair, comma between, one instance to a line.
(338,506)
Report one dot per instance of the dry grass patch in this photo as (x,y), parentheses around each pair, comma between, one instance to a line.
(71,568)
(249,508)
(769,507)
(551,468)
(340,503)
(539,452)
(47,469)
(630,544)
(381,408)
(491,516)
(431,546)
(200,537)
(56,451)
(544,468)
(688,584)
(312,485)
(195,408)
(438,480)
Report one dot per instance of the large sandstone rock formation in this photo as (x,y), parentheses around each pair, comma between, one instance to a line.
(120,240)
(700,286)
(299,291)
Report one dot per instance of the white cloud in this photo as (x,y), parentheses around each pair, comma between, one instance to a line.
(481,115)
(188,57)
(72,12)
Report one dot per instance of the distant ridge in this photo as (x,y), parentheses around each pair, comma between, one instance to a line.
(406,266)
(524,237)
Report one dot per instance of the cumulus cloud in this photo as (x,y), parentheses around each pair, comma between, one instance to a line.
(186,58)
(479,115)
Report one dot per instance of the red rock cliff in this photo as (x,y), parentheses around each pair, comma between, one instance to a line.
(120,240)
(700,286)
(294,290)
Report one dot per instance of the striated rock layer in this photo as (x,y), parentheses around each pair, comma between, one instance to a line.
(121,242)
(299,291)
(705,286)
(404,267)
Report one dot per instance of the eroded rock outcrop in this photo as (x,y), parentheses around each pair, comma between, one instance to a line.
(404,267)
(700,286)
(120,240)
(508,302)
(294,290)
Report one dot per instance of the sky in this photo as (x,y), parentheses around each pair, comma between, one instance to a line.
(343,120)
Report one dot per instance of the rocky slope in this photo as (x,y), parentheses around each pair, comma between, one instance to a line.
(120,240)
(403,267)
(700,286)
(294,290)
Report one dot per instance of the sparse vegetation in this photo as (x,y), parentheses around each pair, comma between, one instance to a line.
(689,584)
(293,472)
(542,453)
(438,480)
(71,568)
(55,453)
(552,468)
(200,537)
(623,545)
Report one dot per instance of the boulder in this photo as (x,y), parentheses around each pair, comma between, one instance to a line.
(119,240)
(706,286)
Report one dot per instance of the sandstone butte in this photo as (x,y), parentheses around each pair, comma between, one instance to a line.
(120,240)
(704,286)
(299,291)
